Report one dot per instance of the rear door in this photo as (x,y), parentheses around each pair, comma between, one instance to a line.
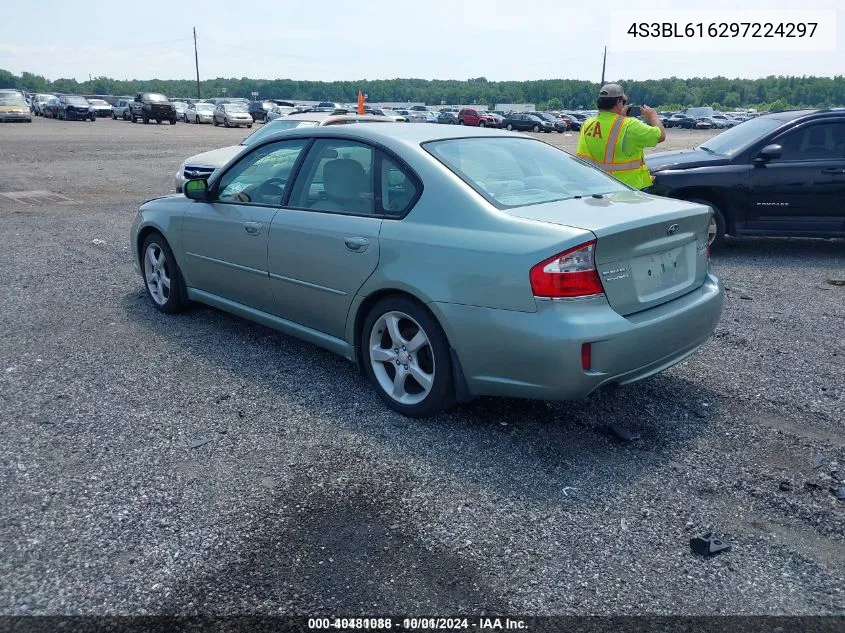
(803,190)
(225,238)
(324,242)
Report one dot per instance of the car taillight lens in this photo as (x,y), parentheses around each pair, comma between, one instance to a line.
(571,273)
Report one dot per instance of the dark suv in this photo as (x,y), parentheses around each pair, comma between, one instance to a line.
(74,108)
(152,106)
(780,174)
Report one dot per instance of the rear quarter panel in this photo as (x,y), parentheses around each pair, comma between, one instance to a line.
(455,247)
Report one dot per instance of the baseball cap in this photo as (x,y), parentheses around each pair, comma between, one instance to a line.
(611,90)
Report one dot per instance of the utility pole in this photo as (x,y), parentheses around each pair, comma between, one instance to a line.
(197,60)
(603,64)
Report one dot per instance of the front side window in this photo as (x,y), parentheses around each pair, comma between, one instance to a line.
(513,172)
(823,141)
(337,176)
(261,176)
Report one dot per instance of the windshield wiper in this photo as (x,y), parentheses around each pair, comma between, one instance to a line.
(706,149)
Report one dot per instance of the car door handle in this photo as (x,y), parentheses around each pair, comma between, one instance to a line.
(356,244)
(252,228)
(834,170)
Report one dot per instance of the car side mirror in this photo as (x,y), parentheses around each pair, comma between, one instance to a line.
(770,152)
(196,189)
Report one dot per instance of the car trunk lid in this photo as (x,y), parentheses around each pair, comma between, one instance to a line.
(649,250)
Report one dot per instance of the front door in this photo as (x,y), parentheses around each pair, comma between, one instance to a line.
(803,190)
(324,244)
(225,238)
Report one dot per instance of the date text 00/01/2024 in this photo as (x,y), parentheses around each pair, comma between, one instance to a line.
(723,29)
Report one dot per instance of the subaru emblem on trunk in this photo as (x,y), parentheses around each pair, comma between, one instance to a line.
(673,228)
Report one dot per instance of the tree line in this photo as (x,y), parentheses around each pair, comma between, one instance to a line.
(773,92)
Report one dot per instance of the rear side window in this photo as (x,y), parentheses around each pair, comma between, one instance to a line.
(398,188)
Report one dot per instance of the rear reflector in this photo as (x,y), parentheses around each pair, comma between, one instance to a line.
(586,356)
(571,273)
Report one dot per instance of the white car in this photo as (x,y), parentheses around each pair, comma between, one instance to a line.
(122,109)
(39,101)
(279,111)
(203,165)
(101,107)
(232,115)
(199,113)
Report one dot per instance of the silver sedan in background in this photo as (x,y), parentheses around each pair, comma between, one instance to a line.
(199,113)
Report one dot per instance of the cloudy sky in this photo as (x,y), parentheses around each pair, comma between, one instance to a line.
(370,39)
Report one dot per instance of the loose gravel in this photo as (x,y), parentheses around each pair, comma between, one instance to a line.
(203,464)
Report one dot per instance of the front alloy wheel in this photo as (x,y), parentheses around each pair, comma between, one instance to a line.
(406,357)
(161,275)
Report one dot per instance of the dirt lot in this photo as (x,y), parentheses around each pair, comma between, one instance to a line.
(312,498)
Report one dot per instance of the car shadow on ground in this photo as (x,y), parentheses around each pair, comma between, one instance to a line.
(667,411)
(556,455)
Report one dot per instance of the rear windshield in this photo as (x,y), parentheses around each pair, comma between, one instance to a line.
(514,172)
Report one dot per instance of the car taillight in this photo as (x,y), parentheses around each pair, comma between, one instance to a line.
(571,273)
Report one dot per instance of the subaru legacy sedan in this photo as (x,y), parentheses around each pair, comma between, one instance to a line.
(446,263)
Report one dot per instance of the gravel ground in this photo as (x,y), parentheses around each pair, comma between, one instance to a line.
(311,497)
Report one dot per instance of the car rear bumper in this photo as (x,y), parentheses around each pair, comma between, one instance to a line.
(538,354)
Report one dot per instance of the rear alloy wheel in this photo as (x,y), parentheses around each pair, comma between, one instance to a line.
(161,275)
(406,357)
(460,121)
(510,127)
(482,124)
(536,128)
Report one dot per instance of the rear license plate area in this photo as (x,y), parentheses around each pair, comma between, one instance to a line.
(662,272)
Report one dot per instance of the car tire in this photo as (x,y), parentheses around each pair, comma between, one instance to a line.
(460,121)
(721,223)
(168,299)
(172,121)
(431,361)
(215,122)
(146,121)
(509,127)
(536,128)
(482,124)
(249,125)
(158,121)
(113,116)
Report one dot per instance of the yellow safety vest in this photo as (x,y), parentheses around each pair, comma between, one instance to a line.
(601,144)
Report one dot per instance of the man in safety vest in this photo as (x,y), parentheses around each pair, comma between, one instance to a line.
(614,142)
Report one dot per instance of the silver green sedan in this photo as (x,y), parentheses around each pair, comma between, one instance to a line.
(445,263)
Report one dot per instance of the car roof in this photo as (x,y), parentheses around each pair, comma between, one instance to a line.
(406,134)
(326,117)
(789,115)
